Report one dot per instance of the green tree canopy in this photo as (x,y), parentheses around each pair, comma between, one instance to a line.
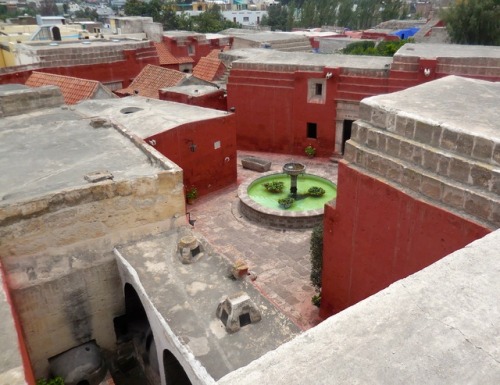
(474,22)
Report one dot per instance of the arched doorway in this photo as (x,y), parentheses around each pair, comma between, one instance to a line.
(174,372)
(56,34)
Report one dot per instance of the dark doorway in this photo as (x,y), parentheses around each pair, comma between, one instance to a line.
(174,372)
(312,130)
(346,133)
(56,34)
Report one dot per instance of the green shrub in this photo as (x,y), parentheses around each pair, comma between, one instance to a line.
(316,249)
(316,191)
(52,381)
(286,203)
(274,186)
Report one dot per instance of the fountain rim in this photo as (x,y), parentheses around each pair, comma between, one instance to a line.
(245,198)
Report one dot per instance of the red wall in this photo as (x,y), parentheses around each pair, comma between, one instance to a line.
(28,371)
(377,235)
(179,48)
(272,111)
(207,169)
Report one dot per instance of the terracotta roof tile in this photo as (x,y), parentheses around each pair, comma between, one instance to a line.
(151,79)
(214,54)
(166,57)
(209,69)
(73,89)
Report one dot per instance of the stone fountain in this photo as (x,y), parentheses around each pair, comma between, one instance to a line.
(294,170)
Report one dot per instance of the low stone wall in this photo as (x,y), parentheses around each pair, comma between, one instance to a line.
(24,101)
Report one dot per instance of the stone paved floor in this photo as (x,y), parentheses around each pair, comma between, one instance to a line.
(280,258)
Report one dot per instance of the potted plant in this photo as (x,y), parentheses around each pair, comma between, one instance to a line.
(274,186)
(286,203)
(316,191)
(310,151)
(191,194)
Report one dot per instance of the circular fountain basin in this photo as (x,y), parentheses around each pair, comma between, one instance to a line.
(259,205)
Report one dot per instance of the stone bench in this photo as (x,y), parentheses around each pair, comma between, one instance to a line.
(256,164)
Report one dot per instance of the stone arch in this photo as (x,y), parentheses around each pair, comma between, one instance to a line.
(174,372)
(142,334)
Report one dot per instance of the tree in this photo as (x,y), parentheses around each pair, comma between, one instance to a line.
(345,13)
(391,9)
(474,22)
(277,17)
(48,8)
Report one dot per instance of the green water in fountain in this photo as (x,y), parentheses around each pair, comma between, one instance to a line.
(257,192)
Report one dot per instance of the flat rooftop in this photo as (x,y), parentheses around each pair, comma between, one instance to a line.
(436,101)
(432,51)
(438,326)
(132,112)
(307,60)
(186,297)
(49,150)
(113,44)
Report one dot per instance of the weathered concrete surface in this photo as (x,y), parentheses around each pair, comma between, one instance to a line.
(449,51)
(438,326)
(186,298)
(159,115)
(292,61)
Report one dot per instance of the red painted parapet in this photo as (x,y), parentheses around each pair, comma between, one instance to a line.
(378,234)
(23,351)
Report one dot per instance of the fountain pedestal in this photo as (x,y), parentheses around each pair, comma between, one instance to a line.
(294,169)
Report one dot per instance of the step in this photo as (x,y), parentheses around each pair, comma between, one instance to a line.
(446,164)
(460,198)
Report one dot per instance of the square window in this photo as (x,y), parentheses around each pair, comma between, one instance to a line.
(316,91)
(312,131)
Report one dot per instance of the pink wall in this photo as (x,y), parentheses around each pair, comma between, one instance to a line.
(377,235)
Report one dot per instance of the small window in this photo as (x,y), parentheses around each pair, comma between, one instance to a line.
(316,91)
(318,88)
(190,50)
(246,19)
(312,130)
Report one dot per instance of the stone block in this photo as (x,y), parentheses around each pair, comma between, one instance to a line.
(449,140)
(480,176)
(483,149)
(430,160)
(365,112)
(256,164)
(496,154)
(405,126)
(459,170)
(393,147)
(465,143)
(454,197)
(417,157)
(411,179)
(443,167)
(379,118)
(423,132)
(477,206)
(406,151)
(431,188)
(371,139)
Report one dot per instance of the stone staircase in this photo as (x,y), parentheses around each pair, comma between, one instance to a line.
(299,44)
(455,170)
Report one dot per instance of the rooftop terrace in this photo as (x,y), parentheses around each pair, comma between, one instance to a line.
(160,116)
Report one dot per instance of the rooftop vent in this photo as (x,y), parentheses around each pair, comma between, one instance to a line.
(237,311)
(189,249)
(130,110)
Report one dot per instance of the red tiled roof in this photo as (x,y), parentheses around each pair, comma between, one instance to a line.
(166,56)
(214,54)
(151,79)
(209,69)
(73,89)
